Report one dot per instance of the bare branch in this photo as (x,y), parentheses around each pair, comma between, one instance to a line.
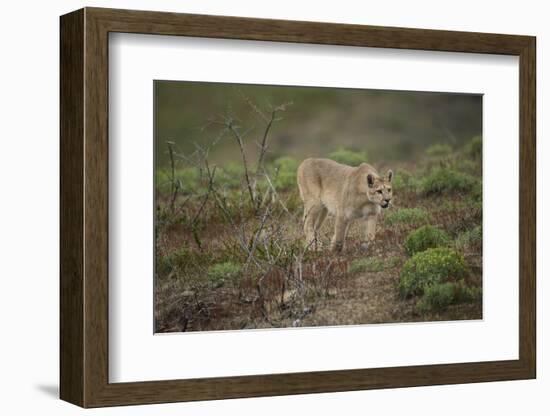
(208,192)
(264,143)
(174,185)
(239,139)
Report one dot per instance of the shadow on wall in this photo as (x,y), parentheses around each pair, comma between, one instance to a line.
(51,390)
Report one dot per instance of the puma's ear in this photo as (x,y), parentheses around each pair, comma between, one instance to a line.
(370,180)
(390,175)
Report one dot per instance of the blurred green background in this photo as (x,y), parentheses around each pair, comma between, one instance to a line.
(387,125)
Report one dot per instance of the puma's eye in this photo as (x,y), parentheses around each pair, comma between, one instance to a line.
(379,191)
(389,189)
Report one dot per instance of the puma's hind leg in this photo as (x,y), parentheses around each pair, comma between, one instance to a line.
(340,229)
(314,215)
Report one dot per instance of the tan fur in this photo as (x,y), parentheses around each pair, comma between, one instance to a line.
(348,193)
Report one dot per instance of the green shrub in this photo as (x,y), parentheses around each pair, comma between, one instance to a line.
(474,147)
(293,202)
(439,150)
(286,163)
(348,157)
(371,264)
(286,172)
(166,263)
(163,265)
(439,296)
(231,175)
(177,260)
(220,272)
(285,180)
(463,216)
(464,205)
(407,216)
(477,191)
(189,179)
(467,166)
(399,182)
(393,262)
(469,239)
(182,259)
(402,180)
(431,267)
(444,180)
(424,238)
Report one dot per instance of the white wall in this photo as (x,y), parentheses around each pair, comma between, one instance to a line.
(29,205)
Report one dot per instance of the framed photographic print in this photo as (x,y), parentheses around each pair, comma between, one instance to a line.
(260,207)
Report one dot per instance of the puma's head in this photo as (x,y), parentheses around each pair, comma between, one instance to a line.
(379,189)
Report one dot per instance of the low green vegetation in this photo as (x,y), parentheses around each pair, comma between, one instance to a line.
(444,181)
(440,296)
(403,179)
(173,261)
(431,267)
(369,264)
(470,166)
(393,262)
(189,263)
(469,239)
(286,168)
(439,150)
(373,264)
(188,179)
(477,192)
(231,174)
(348,157)
(220,272)
(409,216)
(474,147)
(424,238)
(437,297)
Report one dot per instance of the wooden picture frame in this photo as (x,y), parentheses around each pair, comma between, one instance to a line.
(84,207)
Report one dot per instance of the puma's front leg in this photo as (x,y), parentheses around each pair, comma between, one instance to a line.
(370,231)
(337,243)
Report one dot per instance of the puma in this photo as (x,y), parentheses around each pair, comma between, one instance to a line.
(349,193)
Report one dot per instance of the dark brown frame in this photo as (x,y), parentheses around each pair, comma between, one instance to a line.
(84,208)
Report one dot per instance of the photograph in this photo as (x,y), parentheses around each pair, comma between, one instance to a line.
(280,206)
